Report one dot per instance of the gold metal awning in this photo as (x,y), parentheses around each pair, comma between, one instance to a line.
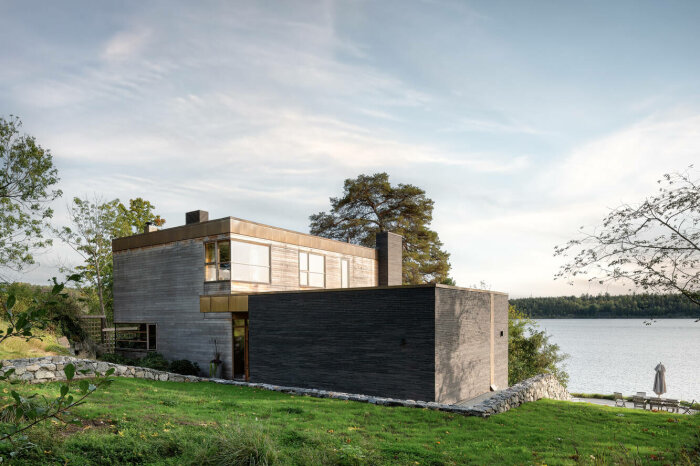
(223,303)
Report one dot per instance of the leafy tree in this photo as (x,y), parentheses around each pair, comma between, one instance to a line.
(530,352)
(27,175)
(90,235)
(132,220)
(94,223)
(370,205)
(653,245)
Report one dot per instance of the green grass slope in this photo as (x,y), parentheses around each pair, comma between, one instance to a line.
(139,421)
(16,348)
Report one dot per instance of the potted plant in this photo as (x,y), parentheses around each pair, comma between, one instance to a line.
(216,364)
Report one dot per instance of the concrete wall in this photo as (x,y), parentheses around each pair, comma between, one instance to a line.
(162,285)
(376,342)
(463,332)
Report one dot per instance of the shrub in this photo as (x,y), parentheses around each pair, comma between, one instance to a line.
(184,367)
(238,445)
(117,359)
(154,361)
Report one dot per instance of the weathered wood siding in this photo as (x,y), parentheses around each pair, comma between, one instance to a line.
(162,285)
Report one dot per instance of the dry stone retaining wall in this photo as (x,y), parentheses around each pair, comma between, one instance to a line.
(50,369)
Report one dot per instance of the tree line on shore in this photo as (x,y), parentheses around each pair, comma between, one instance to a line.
(639,306)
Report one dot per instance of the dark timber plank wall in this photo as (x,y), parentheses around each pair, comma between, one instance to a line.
(463,343)
(372,341)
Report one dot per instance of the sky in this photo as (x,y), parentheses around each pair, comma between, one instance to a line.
(522,120)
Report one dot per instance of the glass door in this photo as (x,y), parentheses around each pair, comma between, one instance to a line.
(240,346)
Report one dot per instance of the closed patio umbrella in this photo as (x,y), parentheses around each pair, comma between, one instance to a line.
(660,380)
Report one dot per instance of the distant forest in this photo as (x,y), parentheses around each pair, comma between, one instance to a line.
(640,306)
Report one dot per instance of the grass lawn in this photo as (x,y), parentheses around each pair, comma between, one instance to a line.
(140,421)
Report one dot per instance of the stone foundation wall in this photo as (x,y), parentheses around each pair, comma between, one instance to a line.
(50,369)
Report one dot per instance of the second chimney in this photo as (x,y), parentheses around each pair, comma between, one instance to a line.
(196,216)
(390,263)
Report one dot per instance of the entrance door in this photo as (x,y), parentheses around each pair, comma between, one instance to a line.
(240,345)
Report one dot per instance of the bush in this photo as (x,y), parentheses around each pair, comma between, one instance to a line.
(184,367)
(248,445)
(529,351)
(118,359)
(154,361)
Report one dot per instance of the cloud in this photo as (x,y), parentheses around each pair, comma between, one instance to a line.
(125,45)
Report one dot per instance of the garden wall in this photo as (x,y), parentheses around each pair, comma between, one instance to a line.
(50,368)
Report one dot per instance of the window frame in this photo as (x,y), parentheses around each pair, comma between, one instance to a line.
(308,272)
(232,262)
(346,261)
(145,334)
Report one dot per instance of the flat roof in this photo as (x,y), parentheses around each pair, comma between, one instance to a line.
(241,227)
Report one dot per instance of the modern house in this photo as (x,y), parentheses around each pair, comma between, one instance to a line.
(294,309)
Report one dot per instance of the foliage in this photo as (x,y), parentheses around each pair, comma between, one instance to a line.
(370,205)
(139,421)
(184,367)
(90,236)
(529,350)
(27,175)
(62,315)
(641,306)
(239,446)
(154,361)
(93,225)
(25,412)
(653,245)
(132,220)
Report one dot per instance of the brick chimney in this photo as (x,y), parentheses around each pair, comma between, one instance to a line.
(196,216)
(390,248)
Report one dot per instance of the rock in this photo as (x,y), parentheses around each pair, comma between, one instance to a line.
(33,368)
(44,375)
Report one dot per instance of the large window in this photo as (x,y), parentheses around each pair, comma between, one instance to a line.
(344,273)
(238,261)
(312,270)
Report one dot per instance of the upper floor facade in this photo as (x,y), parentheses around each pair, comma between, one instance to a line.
(240,256)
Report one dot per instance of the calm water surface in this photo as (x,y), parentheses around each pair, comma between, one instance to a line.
(619,355)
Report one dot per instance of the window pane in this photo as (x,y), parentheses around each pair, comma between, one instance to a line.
(225,271)
(344,272)
(224,251)
(210,272)
(209,252)
(316,263)
(251,273)
(251,254)
(316,279)
(303,261)
(303,278)
(151,337)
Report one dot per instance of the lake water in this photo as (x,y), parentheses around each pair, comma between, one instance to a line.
(619,355)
